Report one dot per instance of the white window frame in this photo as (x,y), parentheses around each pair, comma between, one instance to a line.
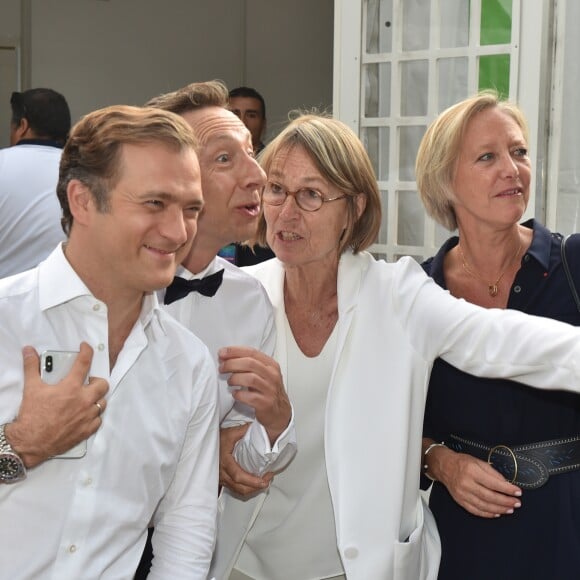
(530,74)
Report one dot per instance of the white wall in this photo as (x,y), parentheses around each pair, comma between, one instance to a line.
(9,42)
(104,52)
(101,52)
(9,19)
(289,55)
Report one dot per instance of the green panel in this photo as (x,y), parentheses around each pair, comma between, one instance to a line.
(494,73)
(496,22)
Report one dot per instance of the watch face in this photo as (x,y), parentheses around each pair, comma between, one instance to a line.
(11,468)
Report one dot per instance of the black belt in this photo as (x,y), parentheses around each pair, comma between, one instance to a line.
(528,466)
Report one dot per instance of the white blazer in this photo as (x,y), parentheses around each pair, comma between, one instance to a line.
(393,322)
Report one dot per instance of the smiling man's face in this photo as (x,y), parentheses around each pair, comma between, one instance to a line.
(147,228)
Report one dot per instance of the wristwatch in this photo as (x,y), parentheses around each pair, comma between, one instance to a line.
(11,465)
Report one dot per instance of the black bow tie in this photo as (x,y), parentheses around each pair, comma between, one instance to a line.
(180,287)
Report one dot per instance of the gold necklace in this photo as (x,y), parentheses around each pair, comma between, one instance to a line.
(492,287)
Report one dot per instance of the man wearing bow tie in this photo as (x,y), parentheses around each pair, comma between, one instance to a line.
(223,305)
(219,302)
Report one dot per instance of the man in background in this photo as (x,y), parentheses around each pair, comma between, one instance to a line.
(249,105)
(29,210)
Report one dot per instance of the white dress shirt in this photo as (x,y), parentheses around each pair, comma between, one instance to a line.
(239,314)
(29,208)
(154,456)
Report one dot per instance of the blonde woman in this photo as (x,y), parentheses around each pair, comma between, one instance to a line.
(514,512)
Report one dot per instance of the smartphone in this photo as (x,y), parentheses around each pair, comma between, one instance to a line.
(54,366)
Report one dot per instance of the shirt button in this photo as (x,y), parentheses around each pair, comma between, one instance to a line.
(101,346)
(72,548)
(96,307)
(526,258)
(351,553)
(517,289)
(88,481)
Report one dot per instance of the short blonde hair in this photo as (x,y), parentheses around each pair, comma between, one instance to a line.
(342,160)
(440,148)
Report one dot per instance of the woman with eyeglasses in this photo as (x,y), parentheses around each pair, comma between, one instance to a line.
(356,339)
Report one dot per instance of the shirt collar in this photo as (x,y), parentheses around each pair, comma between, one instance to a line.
(434,265)
(58,283)
(45,142)
(150,310)
(539,250)
(541,245)
(211,268)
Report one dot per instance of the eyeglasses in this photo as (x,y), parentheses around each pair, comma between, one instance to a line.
(306,198)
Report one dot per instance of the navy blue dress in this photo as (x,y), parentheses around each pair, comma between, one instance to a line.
(541,540)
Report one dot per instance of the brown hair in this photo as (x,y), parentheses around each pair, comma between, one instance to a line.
(92,153)
(341,158)
(193,96)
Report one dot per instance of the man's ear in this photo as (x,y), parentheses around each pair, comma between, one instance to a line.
(80,201)
(19,132)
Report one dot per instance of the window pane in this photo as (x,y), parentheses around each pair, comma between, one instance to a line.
(384,219)
(416,258)
(494,73)
(454,23)
(441,234)
(568,201)
(410,138)
(416,20)
(410,219)
(377,78)
(414,87)
(376,142)
(452,81)
(379,35)
(496,22)
(8,83)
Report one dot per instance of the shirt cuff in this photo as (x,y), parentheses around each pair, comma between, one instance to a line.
(255,454)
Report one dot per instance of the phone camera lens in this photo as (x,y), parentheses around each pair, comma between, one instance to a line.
(48,364)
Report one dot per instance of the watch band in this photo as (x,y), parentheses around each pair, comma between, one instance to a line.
(4,445)
(12,467)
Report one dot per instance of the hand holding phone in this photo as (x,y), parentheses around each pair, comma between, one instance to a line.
(55,365)
(52,420)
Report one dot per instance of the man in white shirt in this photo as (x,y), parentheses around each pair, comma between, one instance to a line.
(29,209)
(239,313)
(130,189)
